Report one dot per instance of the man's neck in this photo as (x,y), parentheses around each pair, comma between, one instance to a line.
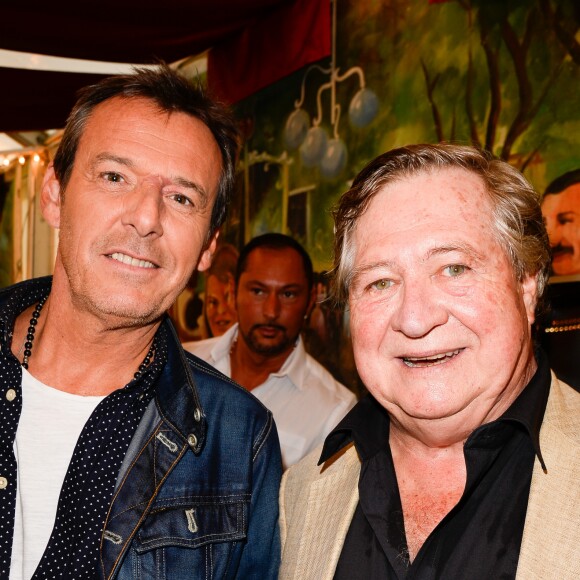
(431,481)
(251,369)
(75,354)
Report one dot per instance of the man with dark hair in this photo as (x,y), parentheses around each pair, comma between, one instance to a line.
(264,352)
(561,210)
(464,459)
(122,456)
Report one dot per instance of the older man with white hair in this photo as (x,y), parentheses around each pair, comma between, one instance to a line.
(463,460)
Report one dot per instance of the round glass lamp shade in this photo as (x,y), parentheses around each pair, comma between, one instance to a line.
(363,108)
(334,159)
(314,146)
(296,128)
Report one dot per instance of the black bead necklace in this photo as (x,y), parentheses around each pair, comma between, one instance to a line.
(32,329)
(146,361)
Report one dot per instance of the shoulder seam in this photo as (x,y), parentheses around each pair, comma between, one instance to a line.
(263,435)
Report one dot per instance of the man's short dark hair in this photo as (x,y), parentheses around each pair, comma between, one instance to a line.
(171,93)
(563,182)
(274,241)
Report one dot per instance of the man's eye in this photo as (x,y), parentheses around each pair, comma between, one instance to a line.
(289,294)
(181,199)
(455,270)
(382,284)
(112,177)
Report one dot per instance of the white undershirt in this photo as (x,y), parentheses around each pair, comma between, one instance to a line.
(48,430)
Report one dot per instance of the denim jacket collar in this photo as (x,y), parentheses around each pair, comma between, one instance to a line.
(185,415)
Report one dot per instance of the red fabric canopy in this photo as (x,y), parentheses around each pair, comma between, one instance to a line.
(256,42)
(137,31)
(273,47)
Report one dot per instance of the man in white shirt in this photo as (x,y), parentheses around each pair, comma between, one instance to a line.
(265,353)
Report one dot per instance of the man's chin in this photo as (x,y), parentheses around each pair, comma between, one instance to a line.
(267,347)
(115,312)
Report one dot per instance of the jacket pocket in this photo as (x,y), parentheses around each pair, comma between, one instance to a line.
(193,524)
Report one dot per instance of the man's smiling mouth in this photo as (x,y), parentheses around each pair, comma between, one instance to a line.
(123,258)
(430,361)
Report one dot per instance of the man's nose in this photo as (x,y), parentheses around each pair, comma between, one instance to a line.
(143,208)
(272,306)
(418,310)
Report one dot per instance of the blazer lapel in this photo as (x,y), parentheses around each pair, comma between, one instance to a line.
(325,509)
(552,525)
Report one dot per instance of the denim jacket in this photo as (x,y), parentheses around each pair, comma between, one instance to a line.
(197,493)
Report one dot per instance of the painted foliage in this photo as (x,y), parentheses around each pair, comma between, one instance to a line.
(501,74)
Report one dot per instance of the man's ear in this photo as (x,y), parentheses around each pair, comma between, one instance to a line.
(207,254)
(530,296)
(50,198)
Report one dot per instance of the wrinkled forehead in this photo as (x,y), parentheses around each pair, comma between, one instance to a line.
(449,199)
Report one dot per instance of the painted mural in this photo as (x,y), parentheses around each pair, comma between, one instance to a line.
(500,74)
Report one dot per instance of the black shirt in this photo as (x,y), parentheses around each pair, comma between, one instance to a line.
(480,537)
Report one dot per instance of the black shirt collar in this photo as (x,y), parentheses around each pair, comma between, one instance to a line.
(367,424)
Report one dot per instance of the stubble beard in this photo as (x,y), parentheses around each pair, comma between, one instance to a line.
(113,308)
(272,349)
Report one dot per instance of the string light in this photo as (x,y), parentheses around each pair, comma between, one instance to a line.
(10,158)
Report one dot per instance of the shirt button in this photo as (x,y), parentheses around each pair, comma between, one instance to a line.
(3,483)
(192,440)
(197,415)
(10,395)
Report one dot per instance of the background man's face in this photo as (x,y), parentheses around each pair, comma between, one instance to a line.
(137,209)
(440,325)
(220,307)
(562,216)
(272,299)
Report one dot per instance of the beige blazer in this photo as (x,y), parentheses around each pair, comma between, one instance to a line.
(317,503)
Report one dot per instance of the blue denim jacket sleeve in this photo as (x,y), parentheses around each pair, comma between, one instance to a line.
(261,554)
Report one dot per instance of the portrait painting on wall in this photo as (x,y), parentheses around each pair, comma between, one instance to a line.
(206,307)
(560,327)
(561,211)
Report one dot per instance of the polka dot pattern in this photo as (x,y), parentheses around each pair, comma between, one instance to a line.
(73,548)
(10,408)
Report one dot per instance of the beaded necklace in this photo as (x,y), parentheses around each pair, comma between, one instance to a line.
(32,329)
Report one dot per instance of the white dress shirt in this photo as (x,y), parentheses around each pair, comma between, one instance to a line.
(305,399)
